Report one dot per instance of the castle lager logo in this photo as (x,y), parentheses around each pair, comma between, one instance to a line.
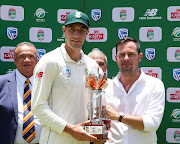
(150,34)
(96,14)
(12,33)
(177,136)
(176,15)
(62,13)
(7,54)
(176,74)
(175,96)
(177,54)
(150,72)
(122,33)
(12,13)
(123,14)
(150,53)
(40,34)
(97,35)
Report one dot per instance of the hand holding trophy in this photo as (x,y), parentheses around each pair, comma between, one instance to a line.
(97,81)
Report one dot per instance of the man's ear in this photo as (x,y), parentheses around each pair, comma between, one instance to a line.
(140,56)
(64,29)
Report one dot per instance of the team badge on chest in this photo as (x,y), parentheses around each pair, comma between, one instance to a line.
(67,71)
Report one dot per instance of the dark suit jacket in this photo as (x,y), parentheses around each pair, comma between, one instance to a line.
(8,108)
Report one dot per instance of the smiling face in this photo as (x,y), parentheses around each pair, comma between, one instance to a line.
(25,59)
(75,35)
(128,58)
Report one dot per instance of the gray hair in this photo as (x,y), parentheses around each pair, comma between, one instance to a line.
(24,43)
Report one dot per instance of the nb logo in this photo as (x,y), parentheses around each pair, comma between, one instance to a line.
(150,12)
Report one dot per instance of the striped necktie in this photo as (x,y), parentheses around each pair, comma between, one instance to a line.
(28,120)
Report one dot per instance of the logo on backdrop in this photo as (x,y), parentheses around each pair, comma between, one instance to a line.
(150,15)
(150,53)
(173,54)
(150,34)
(62,13)
(40,52)
(122,33)
(173,95)
(173,13)
(7,54)
(12,13)
(38,34)
(176,115)
(123,14)
(12,33)
(176,34)
(176,74)
(62,38)
(97,35)
(96,14)
(153,71)
(40,14)
(173,135)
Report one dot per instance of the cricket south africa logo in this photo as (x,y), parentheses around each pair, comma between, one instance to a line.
(96,14)
(176,115)
(12,13)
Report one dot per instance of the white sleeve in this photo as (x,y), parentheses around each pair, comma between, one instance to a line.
(45,73)
(155,109)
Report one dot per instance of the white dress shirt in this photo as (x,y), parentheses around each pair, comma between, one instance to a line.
(20,79)
(145,98)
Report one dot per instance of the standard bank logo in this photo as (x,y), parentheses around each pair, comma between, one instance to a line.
(173,13)
(12,13)
(122,33)
(12,33)
(150,53)
(176,74)
(123,14)
(38,34)
(40,52)
(96,14)
(150,34)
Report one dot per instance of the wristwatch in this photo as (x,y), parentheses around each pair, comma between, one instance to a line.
(121,115)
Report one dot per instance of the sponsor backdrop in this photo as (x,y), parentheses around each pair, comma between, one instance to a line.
(154,23)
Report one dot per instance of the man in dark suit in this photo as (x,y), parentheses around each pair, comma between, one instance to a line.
(12,97)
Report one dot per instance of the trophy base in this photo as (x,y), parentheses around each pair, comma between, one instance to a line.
(98,130)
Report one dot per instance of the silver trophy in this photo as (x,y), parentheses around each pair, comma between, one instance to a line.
(99,126)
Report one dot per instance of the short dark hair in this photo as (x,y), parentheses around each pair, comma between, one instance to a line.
(126,40)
